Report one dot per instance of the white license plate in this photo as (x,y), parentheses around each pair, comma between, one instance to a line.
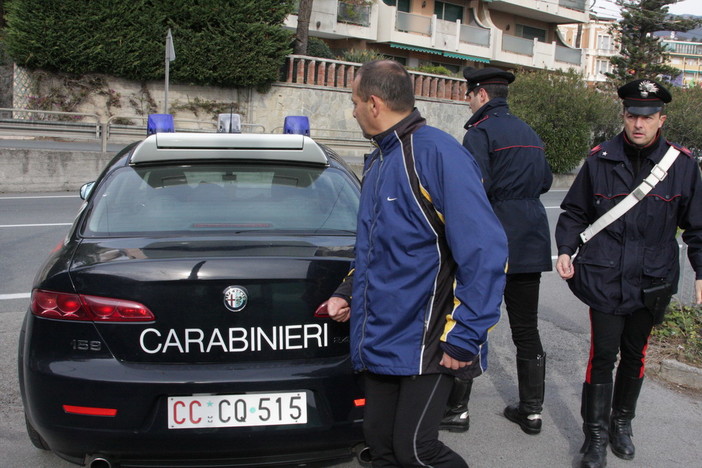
(260,409)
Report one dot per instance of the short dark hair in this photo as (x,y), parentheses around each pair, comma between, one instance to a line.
(388,80)
(494,90)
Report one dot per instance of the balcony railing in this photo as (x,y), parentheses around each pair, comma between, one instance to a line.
(407,22)
(518,45)
(578,5)
(314,71)
(568,55)
(353,14)
(475,35)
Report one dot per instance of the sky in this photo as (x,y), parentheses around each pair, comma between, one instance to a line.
(684,7)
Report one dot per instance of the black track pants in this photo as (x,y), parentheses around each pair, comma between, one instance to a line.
(401,421)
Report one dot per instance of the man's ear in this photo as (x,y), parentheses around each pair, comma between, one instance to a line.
(376,104)
(484,96)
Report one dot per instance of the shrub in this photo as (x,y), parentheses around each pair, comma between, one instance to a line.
(435,70)
(316,47)
(361,56)
(684,122)
(568,116)
(680,335)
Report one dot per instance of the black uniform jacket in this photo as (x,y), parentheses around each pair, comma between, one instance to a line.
(639,249)
(515,172)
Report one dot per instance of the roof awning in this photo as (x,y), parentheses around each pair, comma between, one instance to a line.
(439,52)
(415,49)
(466,57)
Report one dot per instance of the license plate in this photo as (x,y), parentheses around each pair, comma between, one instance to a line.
(246,410)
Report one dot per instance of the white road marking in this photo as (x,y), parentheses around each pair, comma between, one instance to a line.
(34,225)
(15,296)
(38,196)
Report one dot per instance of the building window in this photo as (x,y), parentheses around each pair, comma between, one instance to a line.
(448,11)
(603,66)
(402,5)
(529,32)
(397,58)
(604,42)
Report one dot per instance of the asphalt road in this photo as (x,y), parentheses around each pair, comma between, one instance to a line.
(666,429)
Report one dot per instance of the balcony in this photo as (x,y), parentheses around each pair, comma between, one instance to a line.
(548,11)
(532,53)
(474,35)
(428,34)
(416,24)
(353,13)
(340,20)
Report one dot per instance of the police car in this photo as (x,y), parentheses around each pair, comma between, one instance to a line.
(176,325)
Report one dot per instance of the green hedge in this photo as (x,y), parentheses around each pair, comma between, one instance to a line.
(217,42)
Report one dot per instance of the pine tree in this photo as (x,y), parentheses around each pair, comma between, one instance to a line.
(642,55)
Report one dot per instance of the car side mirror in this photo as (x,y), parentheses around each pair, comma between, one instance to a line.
(86,189)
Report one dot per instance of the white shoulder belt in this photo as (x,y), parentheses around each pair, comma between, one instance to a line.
(658,173)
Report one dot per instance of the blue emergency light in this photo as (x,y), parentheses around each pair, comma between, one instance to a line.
(297,124)
(160,123)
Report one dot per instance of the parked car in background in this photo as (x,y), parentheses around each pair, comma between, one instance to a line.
(176,326)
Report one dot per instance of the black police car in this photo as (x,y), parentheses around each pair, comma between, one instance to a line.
(175,325)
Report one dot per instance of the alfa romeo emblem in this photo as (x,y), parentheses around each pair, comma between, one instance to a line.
(235,298)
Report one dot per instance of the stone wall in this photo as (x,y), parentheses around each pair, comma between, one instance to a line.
(327,107)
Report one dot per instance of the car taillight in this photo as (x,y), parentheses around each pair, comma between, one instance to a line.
(322,311)
(89,410)
(66,306)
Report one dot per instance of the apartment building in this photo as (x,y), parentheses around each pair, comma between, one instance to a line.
(597,42)
(686,56)
(501,33)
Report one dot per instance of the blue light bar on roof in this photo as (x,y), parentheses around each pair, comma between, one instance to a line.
(297,124)
(160,123)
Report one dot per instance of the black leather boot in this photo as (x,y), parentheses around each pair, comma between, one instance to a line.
(457,418)
(596,405)
(531,374)
(626,393)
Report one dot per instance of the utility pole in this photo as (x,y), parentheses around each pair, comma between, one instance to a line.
(170,56)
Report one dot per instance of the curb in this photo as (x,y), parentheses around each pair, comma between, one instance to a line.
(681,374)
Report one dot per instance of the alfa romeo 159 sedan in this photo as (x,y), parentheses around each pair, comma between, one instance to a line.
(176,324)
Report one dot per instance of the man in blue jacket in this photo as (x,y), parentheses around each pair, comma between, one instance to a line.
(428,275)
(515,173)
(627,272)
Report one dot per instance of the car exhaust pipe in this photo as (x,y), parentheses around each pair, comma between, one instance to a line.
(98,462)
(363,454)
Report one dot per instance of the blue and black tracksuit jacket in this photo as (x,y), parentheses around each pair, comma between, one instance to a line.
(430,258)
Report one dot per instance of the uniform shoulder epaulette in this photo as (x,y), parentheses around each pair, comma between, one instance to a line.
(682,149)
(594,150)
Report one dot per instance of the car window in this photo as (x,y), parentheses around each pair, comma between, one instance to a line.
(215,198)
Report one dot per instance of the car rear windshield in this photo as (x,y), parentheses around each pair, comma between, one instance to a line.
(227,197)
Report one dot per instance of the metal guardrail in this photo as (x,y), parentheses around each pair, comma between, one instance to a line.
(70,125)
(29,122)
(81,126)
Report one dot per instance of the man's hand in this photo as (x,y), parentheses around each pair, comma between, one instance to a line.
(564,266)
(451,363)
(698,291)
(338,309)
